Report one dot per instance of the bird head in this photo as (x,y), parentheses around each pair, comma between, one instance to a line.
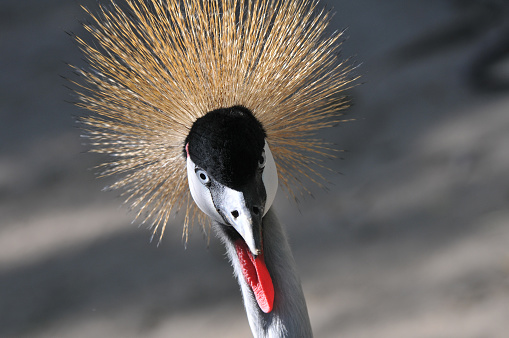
(231,172)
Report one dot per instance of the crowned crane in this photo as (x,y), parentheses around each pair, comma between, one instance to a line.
(218,101)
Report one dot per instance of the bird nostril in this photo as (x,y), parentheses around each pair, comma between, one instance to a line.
(256,210)
(235,213)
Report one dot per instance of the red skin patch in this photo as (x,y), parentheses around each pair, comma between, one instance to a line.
(257,276)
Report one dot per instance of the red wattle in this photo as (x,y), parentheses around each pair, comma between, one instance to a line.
(257,276)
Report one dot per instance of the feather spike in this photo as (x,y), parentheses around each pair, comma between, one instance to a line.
(157,66)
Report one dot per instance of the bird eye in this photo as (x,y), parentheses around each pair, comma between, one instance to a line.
(202,175)
(261,161)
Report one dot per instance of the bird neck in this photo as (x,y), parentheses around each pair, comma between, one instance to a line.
(289,316)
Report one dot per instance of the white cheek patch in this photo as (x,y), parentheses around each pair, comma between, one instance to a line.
(269,178)
(201,194)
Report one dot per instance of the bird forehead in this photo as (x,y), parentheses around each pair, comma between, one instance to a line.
(228,144)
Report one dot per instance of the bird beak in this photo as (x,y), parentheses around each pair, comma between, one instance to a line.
(244,211)
(249,227)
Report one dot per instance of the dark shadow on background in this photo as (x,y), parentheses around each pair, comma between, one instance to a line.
(113,273)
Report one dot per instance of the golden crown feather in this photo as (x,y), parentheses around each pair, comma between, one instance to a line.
(157,66)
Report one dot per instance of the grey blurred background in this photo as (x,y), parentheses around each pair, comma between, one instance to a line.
(411,241)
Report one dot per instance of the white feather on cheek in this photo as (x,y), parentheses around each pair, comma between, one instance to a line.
(201,194)
(269,178)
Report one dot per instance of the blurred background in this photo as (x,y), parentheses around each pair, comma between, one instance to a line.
(412,240)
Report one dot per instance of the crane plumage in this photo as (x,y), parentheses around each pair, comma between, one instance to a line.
(157,67)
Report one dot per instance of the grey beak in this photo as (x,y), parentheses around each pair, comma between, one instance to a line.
(244,211)
(249,225)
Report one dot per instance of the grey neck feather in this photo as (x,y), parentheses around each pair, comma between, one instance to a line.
(289,317)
